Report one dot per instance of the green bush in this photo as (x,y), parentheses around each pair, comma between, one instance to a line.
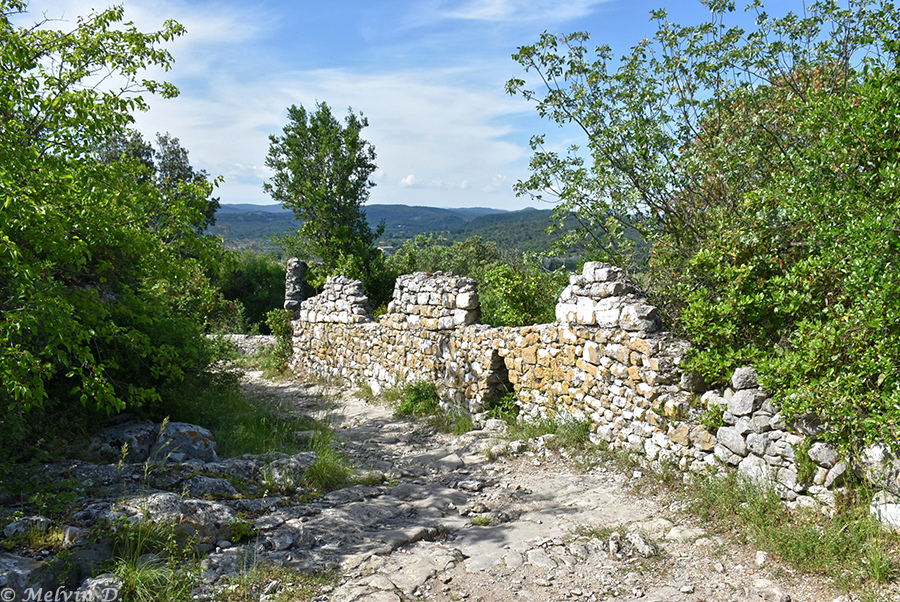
(761,169)
(520,294)
(506,408)
(102,289)
(255,282)
(419,398)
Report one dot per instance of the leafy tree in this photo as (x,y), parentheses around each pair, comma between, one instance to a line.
(168,167)
(102,302)
(761,166)
(322,171)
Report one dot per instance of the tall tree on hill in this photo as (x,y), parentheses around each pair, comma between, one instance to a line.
(322,170)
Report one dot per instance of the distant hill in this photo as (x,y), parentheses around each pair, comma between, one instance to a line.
(516,231)
(406,221)
(250,226)
(248,208)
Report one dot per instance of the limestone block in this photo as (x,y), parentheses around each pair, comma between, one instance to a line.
(464,317)
(610,289)
(755,469)
(680,434)
(776,461)
(702,438)
(823,454)
(744,402)
(742,426)
(566,312)
(726,455)
(584,313)
(787,476)
(592,352)
(757,444)
(744,378)
(835,476)
(467,300)
(567,336)
(181,441)
(730,438)
(881,467)
(529,355)
(607,318)
(639,317)
(760,424)
(617,352)
(597,271)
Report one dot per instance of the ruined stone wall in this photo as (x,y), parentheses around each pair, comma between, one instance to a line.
(604,360)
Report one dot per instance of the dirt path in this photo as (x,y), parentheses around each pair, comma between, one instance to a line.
(443,522)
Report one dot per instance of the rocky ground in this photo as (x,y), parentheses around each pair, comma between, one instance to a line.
(461,518)
(437,517)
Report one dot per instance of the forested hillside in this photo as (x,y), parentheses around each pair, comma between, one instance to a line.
(250,226)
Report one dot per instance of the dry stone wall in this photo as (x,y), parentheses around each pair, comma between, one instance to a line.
(604,360)
(342,301)
(433,302)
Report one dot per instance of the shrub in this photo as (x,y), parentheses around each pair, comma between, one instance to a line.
(254,282)
(279,322)
(102,288)
(761,167)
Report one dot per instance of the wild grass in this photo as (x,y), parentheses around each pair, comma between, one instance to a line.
(420,399)
(568,433)
(244,422)
(292,586)
(152,562)
(850,547)
(332,469)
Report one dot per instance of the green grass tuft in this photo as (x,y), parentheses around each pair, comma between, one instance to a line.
(419,399)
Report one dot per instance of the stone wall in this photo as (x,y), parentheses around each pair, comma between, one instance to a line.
(342,301)
(433,302)
(604,360)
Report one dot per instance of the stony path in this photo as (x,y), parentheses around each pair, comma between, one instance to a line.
(442,522)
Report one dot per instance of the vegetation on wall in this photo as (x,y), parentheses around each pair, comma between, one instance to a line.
(762,168)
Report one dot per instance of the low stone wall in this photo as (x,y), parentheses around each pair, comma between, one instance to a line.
(604,360)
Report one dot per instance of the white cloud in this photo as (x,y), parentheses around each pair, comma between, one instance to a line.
(441,134)
(530,11)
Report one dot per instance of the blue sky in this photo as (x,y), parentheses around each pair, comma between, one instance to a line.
(428,74)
